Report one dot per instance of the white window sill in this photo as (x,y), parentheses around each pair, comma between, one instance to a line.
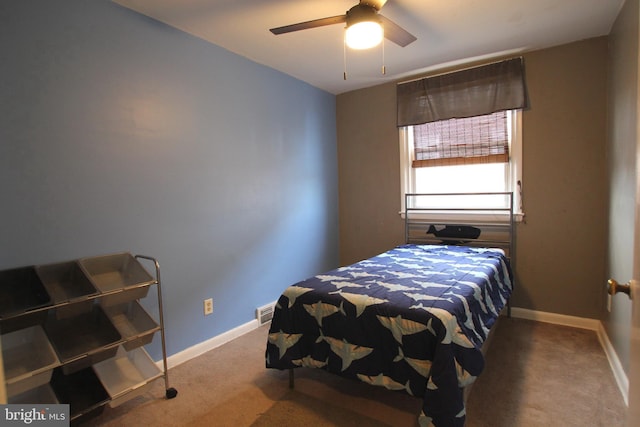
(441,217)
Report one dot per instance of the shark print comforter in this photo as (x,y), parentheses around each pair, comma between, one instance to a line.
(412,319)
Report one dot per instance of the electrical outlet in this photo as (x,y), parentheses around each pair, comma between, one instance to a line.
(208,306)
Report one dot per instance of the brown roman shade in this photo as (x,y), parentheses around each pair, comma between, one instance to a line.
(471,140)
(471,92)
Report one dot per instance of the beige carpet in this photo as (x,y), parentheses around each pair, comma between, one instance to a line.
(537,374)
(295,406)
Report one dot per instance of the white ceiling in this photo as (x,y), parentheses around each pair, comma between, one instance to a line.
(448,31)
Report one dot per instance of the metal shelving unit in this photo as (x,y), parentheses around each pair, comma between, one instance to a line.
(74,332)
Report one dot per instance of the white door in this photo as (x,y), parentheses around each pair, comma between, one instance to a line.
(633,414)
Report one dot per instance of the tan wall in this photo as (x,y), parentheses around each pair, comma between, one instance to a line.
(368,173)
(561,248)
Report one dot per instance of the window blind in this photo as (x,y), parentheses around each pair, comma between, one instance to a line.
(472,140)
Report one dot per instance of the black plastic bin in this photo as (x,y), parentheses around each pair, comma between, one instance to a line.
(66,282)
(82,340)
(82,390)
(21,290)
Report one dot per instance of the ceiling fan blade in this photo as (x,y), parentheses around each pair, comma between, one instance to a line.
(310,24)
(396,33)
(376,4)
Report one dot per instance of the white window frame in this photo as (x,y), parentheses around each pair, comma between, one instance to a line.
(514,180)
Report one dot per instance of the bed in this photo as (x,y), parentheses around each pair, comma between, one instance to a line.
(414,318)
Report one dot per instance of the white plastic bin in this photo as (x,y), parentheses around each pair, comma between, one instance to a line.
(135,325)
(121,272)
(127,375)
(40,395)
(29,359)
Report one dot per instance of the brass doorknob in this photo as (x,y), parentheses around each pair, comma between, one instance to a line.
(615,287)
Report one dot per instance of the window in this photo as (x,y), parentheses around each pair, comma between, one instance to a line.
(460,132)
(476,154)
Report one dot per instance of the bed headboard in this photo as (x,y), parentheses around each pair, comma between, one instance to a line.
(471,219)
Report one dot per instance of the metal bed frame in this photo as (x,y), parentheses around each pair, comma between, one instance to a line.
(495,222)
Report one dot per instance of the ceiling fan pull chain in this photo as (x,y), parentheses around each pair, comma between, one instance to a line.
(384,69)
(344,57)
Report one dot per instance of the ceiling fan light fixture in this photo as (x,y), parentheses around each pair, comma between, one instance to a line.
(364,35)
(364,28)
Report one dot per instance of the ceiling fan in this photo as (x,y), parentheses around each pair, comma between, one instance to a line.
(364,16)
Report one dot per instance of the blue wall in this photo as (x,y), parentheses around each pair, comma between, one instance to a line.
(119,133)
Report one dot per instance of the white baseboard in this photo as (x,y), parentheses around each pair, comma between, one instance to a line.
(583,323)
(556,319)
(201,348)
(616,367)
